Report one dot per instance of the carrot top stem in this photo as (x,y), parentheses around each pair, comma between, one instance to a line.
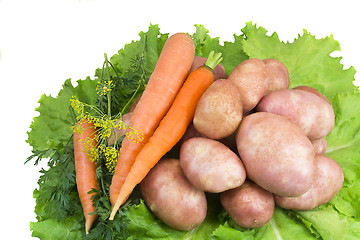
(213,60)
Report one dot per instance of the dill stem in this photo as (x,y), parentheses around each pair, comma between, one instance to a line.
(131,99)
(108,93)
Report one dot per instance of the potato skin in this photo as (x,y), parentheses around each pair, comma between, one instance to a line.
(251,79)
(278,75)
(219,110)
(276,154)
(219,70)
(118,132)
(134,103)
(312,114)
(320,146)
(171,197)
(328,182)
(249,205)
(211,166)
(312,90)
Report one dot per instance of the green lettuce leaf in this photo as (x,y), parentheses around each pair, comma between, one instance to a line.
(283,225)
(319,220)
(344,147)
(307,59)
(51,229)
(52,128)
(354,229)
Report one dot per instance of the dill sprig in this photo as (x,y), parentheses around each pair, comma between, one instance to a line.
(101,116)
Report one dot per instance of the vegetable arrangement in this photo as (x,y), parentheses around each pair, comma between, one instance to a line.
(128,75)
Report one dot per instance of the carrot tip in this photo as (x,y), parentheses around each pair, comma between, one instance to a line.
(112,215)
(88,225)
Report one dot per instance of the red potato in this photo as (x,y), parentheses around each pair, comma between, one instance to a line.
(251,79)
(171,197)
(328,182)
(278,75)
(320,146)
(118,132)
(249,205)
(276,154)
(219,110)
(312,90)
(211,166)
(313,115)
(134,103)
(219,70)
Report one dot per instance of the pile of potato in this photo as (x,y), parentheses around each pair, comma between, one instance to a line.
(255,142)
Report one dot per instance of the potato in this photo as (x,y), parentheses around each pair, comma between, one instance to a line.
(312,90)
(249,205)
(278,75)
(211,166)
(328,182)
(251,79)
(312,114)
(276,154)
(134,103)
(320,146)
(116,133)
(171,197)
(219,71)
(219,110)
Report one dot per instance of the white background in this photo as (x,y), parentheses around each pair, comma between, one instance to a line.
(43,43)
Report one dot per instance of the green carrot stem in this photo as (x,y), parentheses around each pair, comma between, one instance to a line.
(213,60)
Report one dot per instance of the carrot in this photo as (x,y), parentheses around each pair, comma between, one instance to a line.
(171,128)
(85,169)
(165,82)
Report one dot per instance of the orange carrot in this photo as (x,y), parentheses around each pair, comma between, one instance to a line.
(171,128)
(165,82)
(85,169)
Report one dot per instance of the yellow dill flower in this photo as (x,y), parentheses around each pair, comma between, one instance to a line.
(90,149)
(134,135)
(77,106)
(102,88)
(78,129)
(111,155)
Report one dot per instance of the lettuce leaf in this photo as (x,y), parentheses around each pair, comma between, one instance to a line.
(282,226)
(319,220)
(52,229)
(309,63)
(52,128)
(307,59)
(344,147)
